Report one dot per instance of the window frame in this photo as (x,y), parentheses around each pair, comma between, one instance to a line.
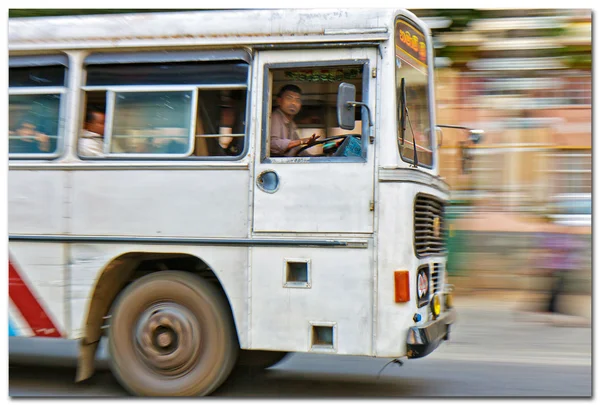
(268,92)
(429,102)
(111,95)
(199,57)
(27,61)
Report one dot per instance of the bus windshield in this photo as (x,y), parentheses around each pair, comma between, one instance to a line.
(411,64)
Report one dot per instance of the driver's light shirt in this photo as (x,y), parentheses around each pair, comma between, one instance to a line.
(283,131)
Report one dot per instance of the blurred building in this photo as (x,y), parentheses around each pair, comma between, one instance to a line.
(523,76)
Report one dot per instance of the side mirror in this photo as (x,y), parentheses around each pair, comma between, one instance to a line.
(345,109)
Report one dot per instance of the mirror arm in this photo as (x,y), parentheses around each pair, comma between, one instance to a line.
(355,103)
(454,127)
(471,130)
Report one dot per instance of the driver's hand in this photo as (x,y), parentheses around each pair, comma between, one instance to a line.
(312,139)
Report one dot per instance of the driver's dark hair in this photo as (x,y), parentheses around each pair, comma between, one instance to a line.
(289,87)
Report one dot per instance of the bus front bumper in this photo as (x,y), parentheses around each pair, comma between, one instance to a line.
(424,339)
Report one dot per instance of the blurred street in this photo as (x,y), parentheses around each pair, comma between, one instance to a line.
(495,350)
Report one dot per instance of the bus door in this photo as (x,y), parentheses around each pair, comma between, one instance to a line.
(326,186)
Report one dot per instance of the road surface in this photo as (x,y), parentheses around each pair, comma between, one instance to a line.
(493,351)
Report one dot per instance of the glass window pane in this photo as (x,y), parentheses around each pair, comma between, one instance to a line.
(167,73)
(220,123)
(417,123)
(33,123)
(304,105)
(36,76)
(152,122)
(411,65)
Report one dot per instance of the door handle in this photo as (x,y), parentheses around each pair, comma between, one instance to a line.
(268,181)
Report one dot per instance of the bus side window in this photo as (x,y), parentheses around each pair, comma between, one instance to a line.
(91,135)
(220,126)
(34,118)
(151,122)
(179,108)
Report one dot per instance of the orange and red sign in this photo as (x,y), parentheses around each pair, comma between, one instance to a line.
(410,45)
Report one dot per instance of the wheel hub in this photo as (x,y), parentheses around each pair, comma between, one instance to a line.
(168,338)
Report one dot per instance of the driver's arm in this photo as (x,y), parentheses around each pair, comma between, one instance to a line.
(296,142)
(279,145)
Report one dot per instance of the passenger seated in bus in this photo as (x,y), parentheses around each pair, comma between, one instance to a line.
(27,139)
(91,140)
(284,139)
(225,125)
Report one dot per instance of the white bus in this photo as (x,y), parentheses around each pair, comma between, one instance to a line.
(185,238)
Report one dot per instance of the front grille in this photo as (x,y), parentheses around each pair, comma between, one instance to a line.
(436,278)
(430,227)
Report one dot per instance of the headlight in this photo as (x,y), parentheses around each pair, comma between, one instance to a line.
(422,286)
(436,305)
(449,301)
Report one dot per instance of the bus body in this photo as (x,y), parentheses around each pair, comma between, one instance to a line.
(191,249)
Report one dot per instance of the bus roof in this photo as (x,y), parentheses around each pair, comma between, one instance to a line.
(207,27)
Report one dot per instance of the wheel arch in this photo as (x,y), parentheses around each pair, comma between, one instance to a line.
(119,272)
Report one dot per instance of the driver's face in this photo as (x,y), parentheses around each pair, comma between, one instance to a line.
(290,103)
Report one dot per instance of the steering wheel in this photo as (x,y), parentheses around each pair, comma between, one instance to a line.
(322,141)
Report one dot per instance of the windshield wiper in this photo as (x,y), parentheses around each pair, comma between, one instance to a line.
(404,111)
(415,155)
(403,118)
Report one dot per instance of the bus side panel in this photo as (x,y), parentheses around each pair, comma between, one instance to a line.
(338,294)
(153,203)
(397,252)
(160,203)
(36,202)
(36,270)
(36,283)
(230,264)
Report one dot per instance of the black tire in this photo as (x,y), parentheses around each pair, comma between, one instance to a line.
(193,344)
(259,359)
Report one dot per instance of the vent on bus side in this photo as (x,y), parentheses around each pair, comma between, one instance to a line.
(296,273)
(322,336)
(430,227)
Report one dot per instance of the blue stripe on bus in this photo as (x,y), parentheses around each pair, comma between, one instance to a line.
(12,331)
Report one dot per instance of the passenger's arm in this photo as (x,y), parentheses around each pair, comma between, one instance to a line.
(226,127)
(43,141)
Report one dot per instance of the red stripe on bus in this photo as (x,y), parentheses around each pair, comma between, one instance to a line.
(35,315)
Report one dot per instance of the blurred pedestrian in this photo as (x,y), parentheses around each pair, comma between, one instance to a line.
(560,259)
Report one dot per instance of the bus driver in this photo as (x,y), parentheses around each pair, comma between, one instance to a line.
(284,132)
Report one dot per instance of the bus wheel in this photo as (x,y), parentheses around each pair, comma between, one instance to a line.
(172,334)
(259,359)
